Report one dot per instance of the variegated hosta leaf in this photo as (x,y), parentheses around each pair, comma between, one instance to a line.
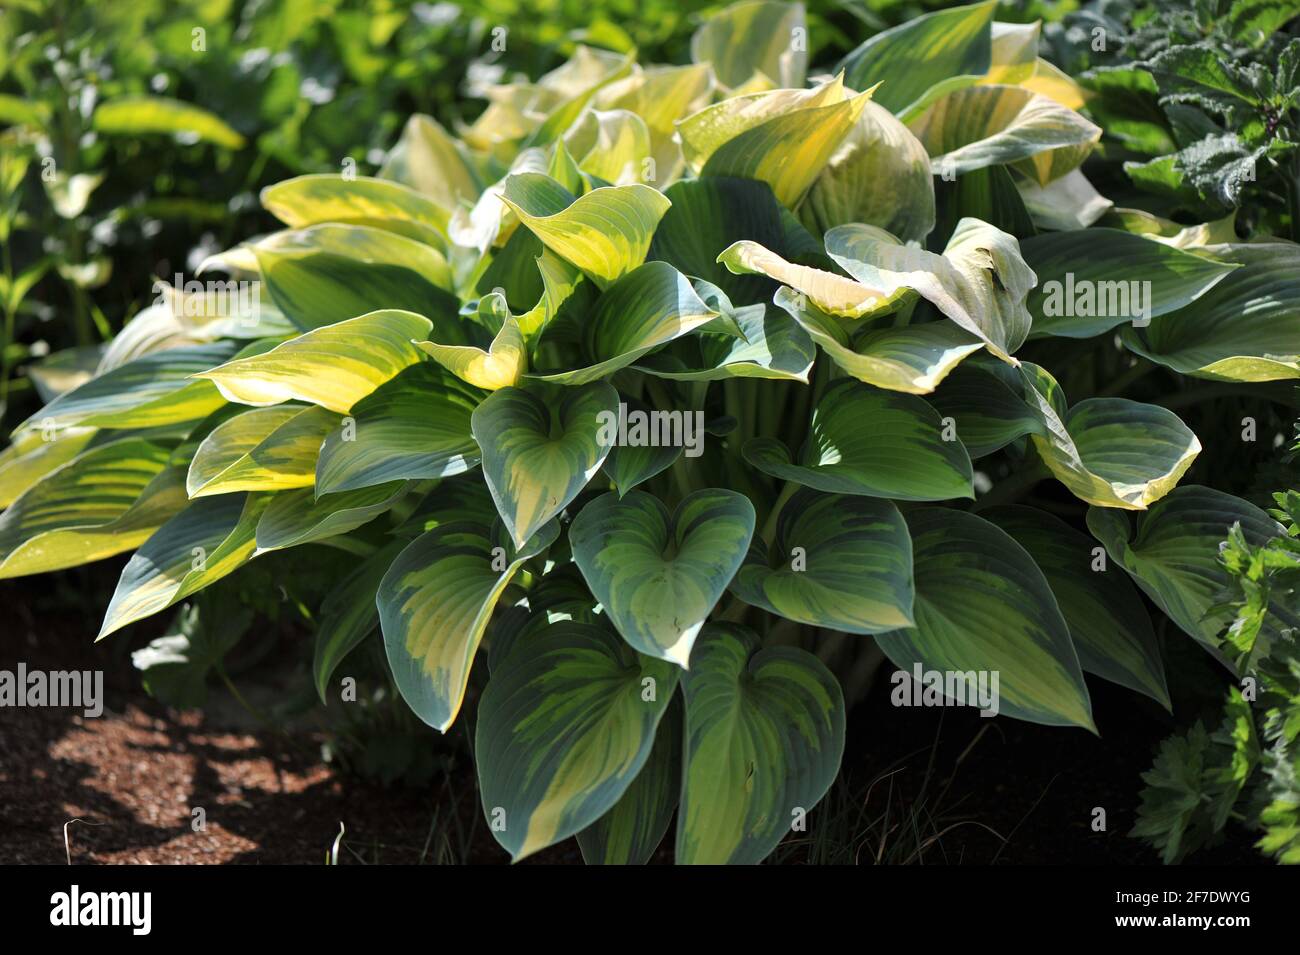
(540,448)
(349,615)
(1246,328)
(611,145)
(872,443)
(920,59)
(829,291)
(107,500)
(987,408)
(630,833)
(878,149)
(565,725)
(1111,452)
(707,216)
(659,575)
(782,137)
(334,366)
(605,233)
(659,95)
(1091,280)
(153,390)
(980,282)
(1174,556)
(504,360)
(982,126)
(265,449)
(34,454)
(429,160)
(844,563)
(909,358)
(357,200)
(757,37)
(770,346)
(1108,622)
(329,273)
(649,307)
(299,517)
(203,543)
(1070,202)
(984,608)
(416,425)
(435,602)
(560,281)
(1014,52)
(631,464)
(764,739)
(1159,229)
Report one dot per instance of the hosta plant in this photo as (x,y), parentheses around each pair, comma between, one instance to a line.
(659,403)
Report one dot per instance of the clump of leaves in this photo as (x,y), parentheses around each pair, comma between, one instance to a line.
(656,388)
(1248,770)
(1201,102)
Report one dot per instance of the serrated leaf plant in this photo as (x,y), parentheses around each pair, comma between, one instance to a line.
(641,393)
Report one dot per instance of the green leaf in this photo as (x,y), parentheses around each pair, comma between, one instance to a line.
(299,517)
(983,606)
(349,615)
(902,455)
(764,739)
(787,149)
(754,38)
(329,273)
(605,232)
(915,61)
(499,363)
(357,200)
(983,126)
(107,500)
(844,563)
(631,464)
(174,669)
(566,724)
(770,345)
(435,602)
(1091,280)
(265,449)
(630,833)
(1246,328)
(1174,556)
(34,454)
(432,162)
(211,538)
(538,454)
(142,115)
(878,149)
(416,425)
(152,390)
(334,366)
(987,408)
(659,575)
(1108,622)
(1111,452)
(910,358)
(649,307)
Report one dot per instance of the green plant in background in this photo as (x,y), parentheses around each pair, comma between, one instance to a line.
(657,404)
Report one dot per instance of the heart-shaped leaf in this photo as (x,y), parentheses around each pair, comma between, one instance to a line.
(659,575)
(541,448)
(416,425)
(984,609)
(844,563)
(565,725)
(764,739)
(435,602)
(1174,556)
(901,455)
(1108,622)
